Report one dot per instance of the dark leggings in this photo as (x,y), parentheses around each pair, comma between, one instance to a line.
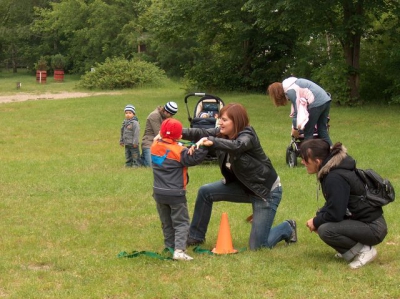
(348,235)
(318,116)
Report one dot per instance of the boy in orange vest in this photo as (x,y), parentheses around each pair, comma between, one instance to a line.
(170,161)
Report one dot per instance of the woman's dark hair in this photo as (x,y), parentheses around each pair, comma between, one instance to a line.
(238,114)
(318,149)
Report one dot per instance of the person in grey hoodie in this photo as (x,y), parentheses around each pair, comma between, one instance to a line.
(130,132)
(314,100)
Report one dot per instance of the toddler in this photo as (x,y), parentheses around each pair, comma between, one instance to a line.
(130,131)
(170,162)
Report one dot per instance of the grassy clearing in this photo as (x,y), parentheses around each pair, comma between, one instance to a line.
(68,207)
(28,82)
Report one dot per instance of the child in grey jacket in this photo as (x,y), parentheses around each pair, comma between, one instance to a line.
(130,132)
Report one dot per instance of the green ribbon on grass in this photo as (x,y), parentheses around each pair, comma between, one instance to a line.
(156,255)
(167,251)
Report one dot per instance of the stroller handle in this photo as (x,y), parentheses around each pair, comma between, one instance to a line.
(199,94)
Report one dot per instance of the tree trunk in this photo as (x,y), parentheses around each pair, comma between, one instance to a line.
(351,49)
(14,60)
(352,55)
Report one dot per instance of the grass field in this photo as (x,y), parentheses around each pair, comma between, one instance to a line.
(27,79)
(68,205)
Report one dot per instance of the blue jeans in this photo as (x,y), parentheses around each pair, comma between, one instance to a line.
(318,116)
(262,233)
(146,157)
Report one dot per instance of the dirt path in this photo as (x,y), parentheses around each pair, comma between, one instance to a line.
(50,96)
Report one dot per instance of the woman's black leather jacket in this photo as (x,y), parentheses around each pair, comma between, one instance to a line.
(249,163)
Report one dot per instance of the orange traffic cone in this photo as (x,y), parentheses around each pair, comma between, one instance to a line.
(224,242)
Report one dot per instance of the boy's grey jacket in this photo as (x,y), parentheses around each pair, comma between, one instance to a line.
(130,131)
(170,170)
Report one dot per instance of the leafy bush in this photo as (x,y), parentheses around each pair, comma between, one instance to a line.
(332,77)
(41,64)
(58,62)
(119,73)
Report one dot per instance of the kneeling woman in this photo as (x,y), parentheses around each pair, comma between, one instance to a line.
(249,177)
(346,223)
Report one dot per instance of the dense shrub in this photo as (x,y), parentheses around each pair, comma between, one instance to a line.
(119,73)
(332,77)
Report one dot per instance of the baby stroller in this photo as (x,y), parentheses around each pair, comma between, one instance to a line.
(205,114)
(293,149)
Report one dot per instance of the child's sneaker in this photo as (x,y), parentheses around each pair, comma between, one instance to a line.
(181,255)
(367,254)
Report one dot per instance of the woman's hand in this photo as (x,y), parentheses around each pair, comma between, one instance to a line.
(310,225)
(204,142)
(191,149)
(295,133)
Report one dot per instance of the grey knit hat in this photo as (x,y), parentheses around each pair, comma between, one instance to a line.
(171,107)
(130,108)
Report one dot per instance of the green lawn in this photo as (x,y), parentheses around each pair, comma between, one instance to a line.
(27,79)
(68,205)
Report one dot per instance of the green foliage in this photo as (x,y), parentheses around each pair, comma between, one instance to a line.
(87,32)
(171,40)
(331,77)
(380,63)
(345,22)
(119,73)
(17,43)
(225,49)
(58,62)
(42,64)
(218,45)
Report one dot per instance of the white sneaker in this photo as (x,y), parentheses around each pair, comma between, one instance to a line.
(367,254)
(181,255)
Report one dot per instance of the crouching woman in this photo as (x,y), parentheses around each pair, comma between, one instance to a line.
(346,222)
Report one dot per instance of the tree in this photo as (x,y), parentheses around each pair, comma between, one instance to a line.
(346,21)
(15,36)
(87,32)
(216,44)
(170,40)
(381,63)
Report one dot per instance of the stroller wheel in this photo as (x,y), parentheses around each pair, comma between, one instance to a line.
(291,157)
(288,150)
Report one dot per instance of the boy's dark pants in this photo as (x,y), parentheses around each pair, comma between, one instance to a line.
(132,156)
